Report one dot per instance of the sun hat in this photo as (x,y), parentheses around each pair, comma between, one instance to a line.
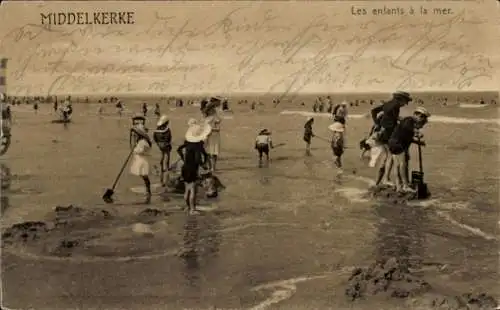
(344,103)
(163,120)
(213,103)
(336,127)
(310,118)
(192,122)
(423,111)
(198,132)
(403,95)
(138,116)
(264,131)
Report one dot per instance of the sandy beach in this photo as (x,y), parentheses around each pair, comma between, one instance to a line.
(288,235)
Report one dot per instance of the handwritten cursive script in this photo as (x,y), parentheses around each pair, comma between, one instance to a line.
(246,49)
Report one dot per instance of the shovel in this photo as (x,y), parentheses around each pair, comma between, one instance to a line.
(108,195)
(417,177)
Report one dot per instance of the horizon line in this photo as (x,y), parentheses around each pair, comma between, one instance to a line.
(254,93)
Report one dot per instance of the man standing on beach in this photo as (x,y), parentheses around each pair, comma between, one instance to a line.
(388,122)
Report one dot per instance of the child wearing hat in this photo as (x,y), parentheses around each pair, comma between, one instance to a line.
(339,112)
(399,144)
(337,143)
(138,122)
(162,136)
(157,110)
(308,134)
(140,163)
(213,140)
(192,152)
(263,143)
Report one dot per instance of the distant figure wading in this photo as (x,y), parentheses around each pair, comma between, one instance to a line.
(308,134)
(263,145)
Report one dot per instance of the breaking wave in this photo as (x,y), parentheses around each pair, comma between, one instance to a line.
(433,119)
(472,105)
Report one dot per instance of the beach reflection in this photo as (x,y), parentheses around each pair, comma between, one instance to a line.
(201,243)
(401,234)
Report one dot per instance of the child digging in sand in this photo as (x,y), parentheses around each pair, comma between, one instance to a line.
(337,143)
(308,134)
(263,143)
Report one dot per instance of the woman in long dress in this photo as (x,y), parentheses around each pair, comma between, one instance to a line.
(212,143)
(140,160)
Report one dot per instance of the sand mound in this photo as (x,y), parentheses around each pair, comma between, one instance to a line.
(25,232)
(149,215)
(390,278)
(73,231)
(393,279)
(75,217)
(390,194)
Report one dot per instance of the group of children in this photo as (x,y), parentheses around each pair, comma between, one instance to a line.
(200,148)
(337,129)
(198,165)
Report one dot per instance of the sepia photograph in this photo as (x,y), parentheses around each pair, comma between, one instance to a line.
(251,155)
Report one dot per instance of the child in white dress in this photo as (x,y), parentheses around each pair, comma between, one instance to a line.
(140,159)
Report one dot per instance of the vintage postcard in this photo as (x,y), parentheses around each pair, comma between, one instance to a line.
(250,154)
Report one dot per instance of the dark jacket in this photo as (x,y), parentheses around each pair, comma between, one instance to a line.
(163,139)
(194,154)
(390,117)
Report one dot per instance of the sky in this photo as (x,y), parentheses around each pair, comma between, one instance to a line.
(231,47)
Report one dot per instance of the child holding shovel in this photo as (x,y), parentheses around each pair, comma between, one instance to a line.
(140,162)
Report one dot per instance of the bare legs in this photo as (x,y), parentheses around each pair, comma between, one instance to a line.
(212,162)
(164,167)
(147,184)
(402,180)
(385,168)
(190,197)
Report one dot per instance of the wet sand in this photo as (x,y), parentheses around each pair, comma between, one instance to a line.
(298,219)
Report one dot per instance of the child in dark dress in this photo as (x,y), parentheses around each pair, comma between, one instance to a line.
(194,156)
(163,138)
(308,134)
